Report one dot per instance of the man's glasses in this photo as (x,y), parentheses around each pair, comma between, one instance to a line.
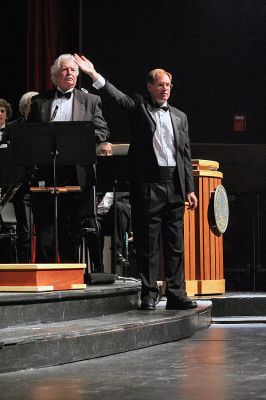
(162,85)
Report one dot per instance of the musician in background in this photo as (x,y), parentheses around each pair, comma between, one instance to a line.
(104,149)
(64,103)
(119,228)
(25,105)
(5,115)
(18,200)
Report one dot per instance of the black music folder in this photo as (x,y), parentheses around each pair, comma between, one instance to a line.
(36,143)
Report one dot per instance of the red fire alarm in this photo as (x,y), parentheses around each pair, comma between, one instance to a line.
(240,123)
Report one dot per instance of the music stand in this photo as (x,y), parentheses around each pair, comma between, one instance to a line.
(53,143)
(113,169)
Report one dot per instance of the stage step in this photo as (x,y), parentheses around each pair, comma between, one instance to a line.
(41,345)
(58,306)
(239,320)
(52,328)
(237,304)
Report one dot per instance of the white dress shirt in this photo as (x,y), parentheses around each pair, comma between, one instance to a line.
(163,138)
(64,108)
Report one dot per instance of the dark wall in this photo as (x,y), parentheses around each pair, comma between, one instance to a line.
(214,48)
(16,16)
(13,67)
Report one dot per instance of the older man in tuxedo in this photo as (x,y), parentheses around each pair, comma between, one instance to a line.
(64,103)
(161,179)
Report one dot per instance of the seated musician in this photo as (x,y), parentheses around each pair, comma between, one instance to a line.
(5,115)
(105,218)
(18,200)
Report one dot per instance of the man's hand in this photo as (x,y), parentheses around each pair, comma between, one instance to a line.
(86,66)
(192,201)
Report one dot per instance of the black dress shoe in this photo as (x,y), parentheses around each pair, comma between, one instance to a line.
(181,303)
(147,303)
(121,260)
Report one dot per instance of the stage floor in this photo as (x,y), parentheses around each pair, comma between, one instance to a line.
(224,362)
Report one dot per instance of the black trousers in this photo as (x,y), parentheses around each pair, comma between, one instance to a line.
(158,211)
(69,226)
(23,228)
(106,227)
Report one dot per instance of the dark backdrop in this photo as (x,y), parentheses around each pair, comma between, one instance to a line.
(13,57)
(214,48)
(33,34)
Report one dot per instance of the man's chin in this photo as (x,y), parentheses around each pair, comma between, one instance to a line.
(67,87)
(70,84)
(164,99)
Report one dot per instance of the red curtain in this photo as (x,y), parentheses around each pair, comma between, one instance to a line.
(42,43)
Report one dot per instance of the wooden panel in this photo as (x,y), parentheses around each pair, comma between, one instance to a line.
(187,266)
(16,278)
(60,280)
(191,287)
(201,231)
(212,286)
(34,289)
(40,276)
(36,266)
(213,237)
(206,229)
(200,165)
(215,174)
(203,244)
(192,249)
(189,244)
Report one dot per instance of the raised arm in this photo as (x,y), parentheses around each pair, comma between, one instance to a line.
(87,67)
(106,89)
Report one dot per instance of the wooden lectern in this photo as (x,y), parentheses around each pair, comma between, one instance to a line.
(203,242)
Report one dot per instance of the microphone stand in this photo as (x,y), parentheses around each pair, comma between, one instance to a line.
(55,155)
(113,237)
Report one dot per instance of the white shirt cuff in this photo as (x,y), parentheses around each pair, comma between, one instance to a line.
(99,84)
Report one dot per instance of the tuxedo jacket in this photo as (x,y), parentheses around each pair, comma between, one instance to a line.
(142,162)
(86,107)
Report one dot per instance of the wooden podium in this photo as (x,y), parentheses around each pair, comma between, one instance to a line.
(203,243)
(41,277)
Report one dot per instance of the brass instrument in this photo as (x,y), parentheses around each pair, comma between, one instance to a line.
(10,193)
(25,177)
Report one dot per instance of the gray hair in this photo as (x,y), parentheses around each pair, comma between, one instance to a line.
(56,65)
(25,100)
(99,147)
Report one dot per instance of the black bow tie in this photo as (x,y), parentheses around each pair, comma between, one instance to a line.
(164,108)
(61,94)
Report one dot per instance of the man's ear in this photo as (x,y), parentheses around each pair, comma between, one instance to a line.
(149,87)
